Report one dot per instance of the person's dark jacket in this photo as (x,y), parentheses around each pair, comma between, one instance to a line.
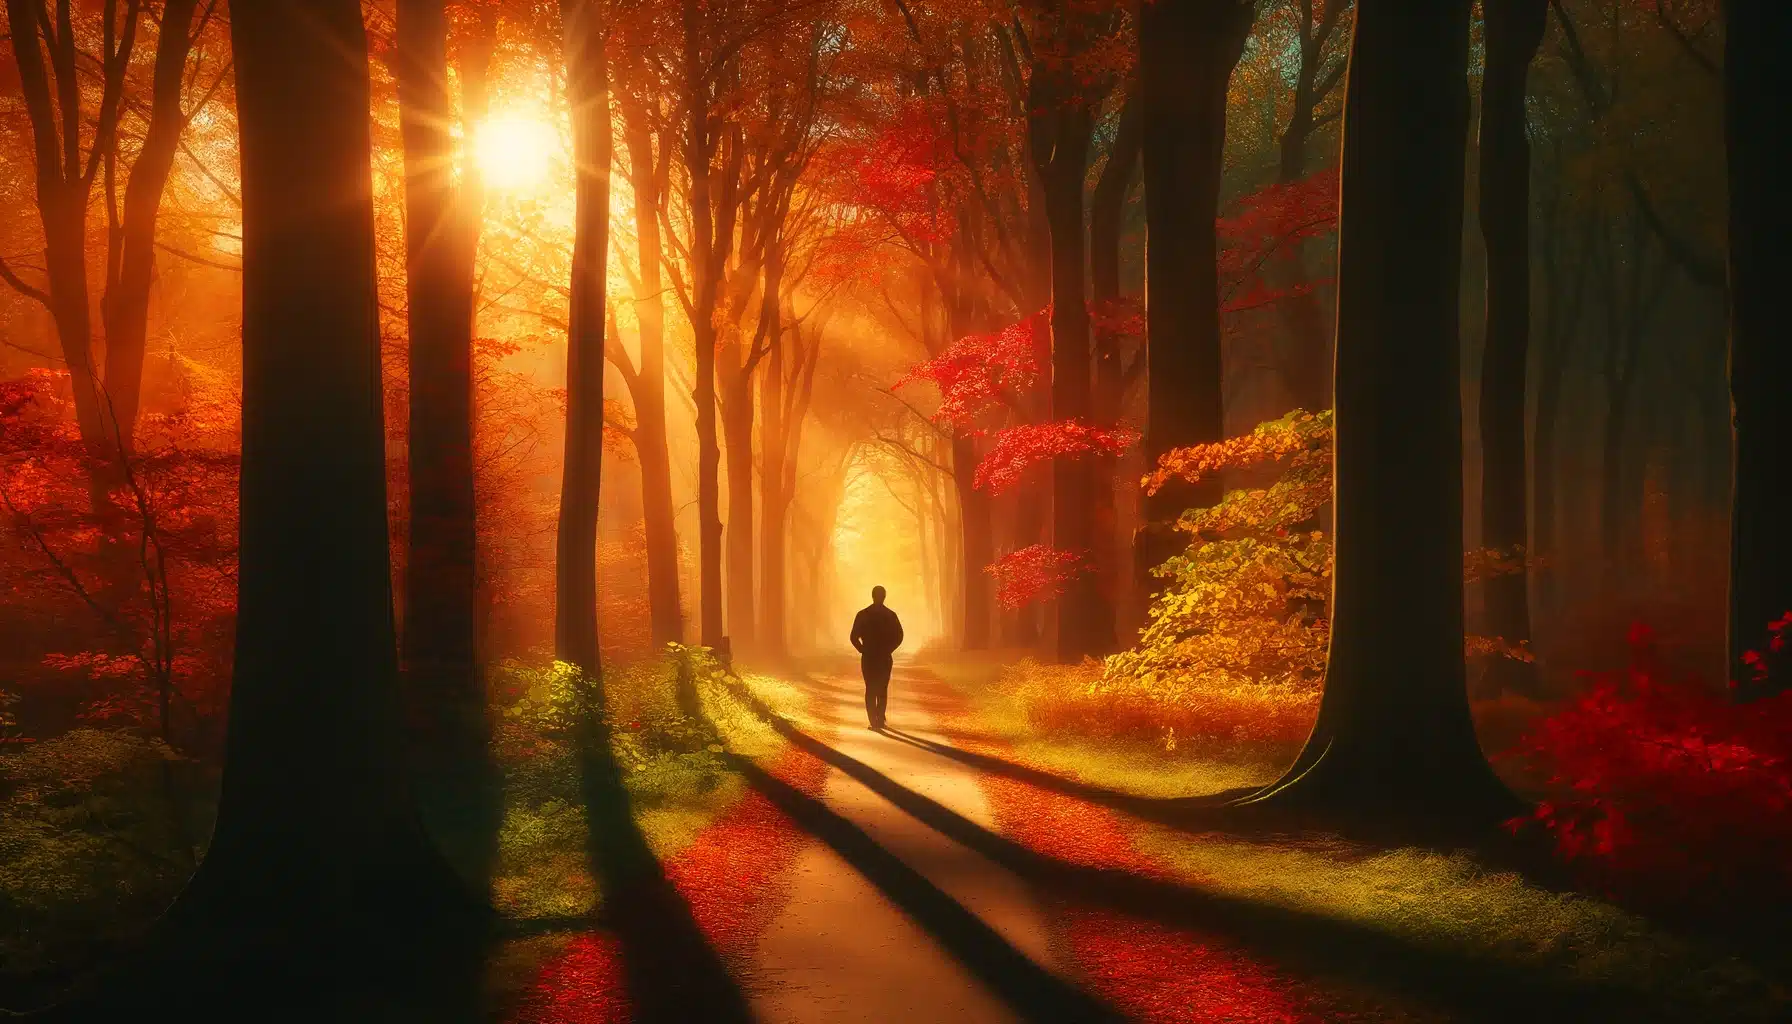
(876,631)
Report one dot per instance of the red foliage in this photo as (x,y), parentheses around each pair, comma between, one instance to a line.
(1265,223)
(896,173)
(973,371)
(1034,573)
(1667,785)
(1019,447)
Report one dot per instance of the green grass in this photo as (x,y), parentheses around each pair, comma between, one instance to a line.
(1435,900)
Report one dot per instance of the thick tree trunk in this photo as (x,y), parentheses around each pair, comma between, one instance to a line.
(125,308)
(1108,549)
(441,231)
(1394,737)
(575,569)
(323,874)
(1514,28)
(1756,112)
(1083,617)
(1187,50)
(649,392)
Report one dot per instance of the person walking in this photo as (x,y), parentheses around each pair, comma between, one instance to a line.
(876,633)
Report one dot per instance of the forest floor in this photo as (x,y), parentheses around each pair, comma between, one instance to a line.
(958,867)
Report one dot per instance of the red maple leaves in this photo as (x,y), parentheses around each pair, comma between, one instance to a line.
(1667,786)
(1038,572)
(972,373)
(1017,448)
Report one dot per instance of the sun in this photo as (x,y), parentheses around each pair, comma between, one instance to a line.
(514,153)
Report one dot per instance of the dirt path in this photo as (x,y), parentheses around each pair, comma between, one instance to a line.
(848,948)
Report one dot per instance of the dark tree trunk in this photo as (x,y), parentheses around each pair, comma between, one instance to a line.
(1187,50)
(318,868)
(977,548)
(1081,615)
(126,305)
(1394,736)
(1107,204)
(444,693)
(1756,112)
(649,391)
(441,231)
(575,570)
(737,435)
(1514,28)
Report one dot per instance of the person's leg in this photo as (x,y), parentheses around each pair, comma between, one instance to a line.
(877,690)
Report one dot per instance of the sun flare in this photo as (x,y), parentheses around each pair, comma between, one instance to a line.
(514,152)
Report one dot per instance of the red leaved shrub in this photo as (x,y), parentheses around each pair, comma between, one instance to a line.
(1666,787)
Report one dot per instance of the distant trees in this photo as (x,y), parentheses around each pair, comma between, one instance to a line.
(54,94)
(1514,29)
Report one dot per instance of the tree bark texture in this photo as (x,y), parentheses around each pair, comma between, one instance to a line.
(1187,50)
(1394,737)
(317,849)
(1514,29)
(649,388)
(441,235)
(1757,109)
(575,549)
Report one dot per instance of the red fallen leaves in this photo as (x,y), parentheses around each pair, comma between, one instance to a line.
(1037,572)
(1667,784)
(731,878)
(1153,972)
(1020,447)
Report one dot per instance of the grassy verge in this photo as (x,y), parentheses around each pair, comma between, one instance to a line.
(1445,901)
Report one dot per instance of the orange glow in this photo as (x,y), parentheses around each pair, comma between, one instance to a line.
(515,152)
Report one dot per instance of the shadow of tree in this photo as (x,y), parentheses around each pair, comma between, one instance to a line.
(1469,987)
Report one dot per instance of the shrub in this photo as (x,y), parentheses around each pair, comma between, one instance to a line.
(1195,713)
(1666,786)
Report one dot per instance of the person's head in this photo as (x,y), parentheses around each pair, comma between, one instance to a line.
(877,595)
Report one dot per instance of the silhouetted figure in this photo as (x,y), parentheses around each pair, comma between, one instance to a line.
(876,633)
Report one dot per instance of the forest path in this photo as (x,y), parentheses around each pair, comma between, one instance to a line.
(848,946)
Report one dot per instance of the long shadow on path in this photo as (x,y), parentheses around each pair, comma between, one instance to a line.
(673,973)
(1034,992)
(1471,988)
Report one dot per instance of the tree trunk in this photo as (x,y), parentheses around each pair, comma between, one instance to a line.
(575,569)
(1394,736)
(1514,29)
(704,277)
(774,504)
(737,431)
(977,548)
(649,393)
(441,231)
(1756,109)
(1107,204)
(1187,50)
(126,305)
(327,865)
(1083,617)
